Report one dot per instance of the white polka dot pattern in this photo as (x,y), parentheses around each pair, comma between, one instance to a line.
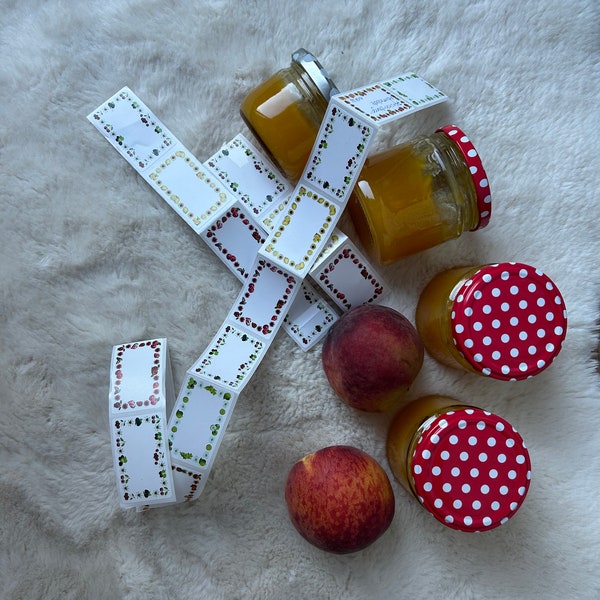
(471,469)
(480,180)
(509,321)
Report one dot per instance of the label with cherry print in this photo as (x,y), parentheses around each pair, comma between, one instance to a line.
(470,469)
(140,394)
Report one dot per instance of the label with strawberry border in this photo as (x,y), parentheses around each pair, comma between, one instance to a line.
(347,278)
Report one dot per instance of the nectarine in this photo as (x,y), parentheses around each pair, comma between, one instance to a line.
(339,499)
(371,356)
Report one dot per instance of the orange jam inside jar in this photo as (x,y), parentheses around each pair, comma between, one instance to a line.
(507,321)
(419,194)
(468,467)
(284,112)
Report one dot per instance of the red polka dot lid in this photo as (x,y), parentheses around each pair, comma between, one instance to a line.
(508,321)
(480,180)
(470,469)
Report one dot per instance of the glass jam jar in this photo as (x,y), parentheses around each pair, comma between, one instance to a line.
(507,320)
(284,112)
(419,194)
(468,467)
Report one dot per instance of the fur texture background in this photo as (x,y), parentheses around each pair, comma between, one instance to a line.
(92,257)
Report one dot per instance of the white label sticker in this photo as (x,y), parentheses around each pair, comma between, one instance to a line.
(198,422)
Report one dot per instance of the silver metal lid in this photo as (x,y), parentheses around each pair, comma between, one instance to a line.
(312,67)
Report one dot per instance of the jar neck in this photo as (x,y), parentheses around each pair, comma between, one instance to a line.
(309,89)
(459,178)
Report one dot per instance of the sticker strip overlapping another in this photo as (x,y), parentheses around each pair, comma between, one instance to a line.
(273,238)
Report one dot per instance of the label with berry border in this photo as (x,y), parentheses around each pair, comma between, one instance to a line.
(393,98)
(339,152)
(302,231)
(193,192)
(198,422)
(189,483)
(235,238)
(132,129)
(249,175)
(265,299)
(309,318)
(231,357)
(140,393)
(347,278)
(139,374)
(142,461)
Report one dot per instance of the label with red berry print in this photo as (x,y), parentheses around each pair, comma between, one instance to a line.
(138,376)
(140,387)
(264,300)
(235,238)
(189,483)
(346,276)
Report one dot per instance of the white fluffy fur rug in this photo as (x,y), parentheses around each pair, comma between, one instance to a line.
(92,257)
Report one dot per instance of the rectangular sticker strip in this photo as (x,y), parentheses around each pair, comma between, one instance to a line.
(301,232)
(141,392)
(309,318)
(228,200)
(249,175)
(388,100)
(347,277)
(198,423)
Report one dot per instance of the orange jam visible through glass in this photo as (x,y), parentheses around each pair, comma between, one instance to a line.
(284,121)
(413,197)
(434,312)
(405,427)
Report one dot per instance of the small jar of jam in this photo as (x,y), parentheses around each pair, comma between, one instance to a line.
(419,194)
(506,321)
(284,112)
(468,467)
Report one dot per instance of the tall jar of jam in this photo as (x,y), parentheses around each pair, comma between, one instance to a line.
(506,320)
(419,194)
(468,467)
(284,112)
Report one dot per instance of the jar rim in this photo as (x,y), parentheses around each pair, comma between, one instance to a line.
(315,71)
(478,174)
(470,469)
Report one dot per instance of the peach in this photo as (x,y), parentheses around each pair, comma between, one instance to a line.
(339,499)
(371,357)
